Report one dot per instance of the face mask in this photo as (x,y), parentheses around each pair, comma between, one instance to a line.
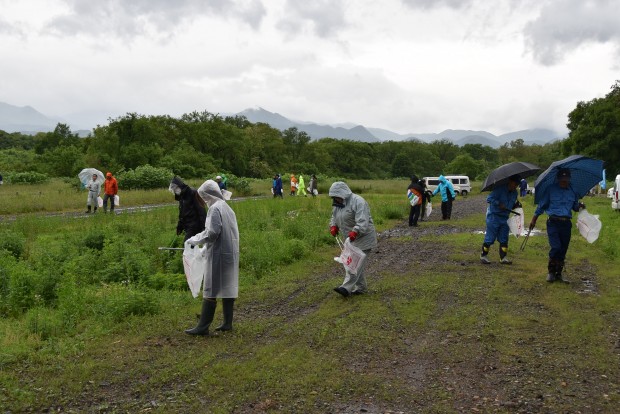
(337,204)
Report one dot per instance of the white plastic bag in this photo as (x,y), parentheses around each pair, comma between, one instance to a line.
(351,257)
(589,225)
(516,223)
(117,201)
(429,209)
(315,191)
(99,201)
(194,264)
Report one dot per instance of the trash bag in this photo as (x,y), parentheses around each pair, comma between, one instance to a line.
(99,201)
(117,201)
(315,191)
(413,199)
(589,225)
(516,223)
(351,256)
(429,209)
(195,265)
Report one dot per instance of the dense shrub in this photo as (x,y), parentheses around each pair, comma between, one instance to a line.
(145,177)
(28,177)
(12,242)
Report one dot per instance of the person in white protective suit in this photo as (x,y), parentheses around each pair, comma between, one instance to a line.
(94,188)
(351,216)
(221,279)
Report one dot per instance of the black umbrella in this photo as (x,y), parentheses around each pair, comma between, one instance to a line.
(500,175)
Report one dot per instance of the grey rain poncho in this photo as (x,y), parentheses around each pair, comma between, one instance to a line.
(354,216)
(221,237)
(94,188)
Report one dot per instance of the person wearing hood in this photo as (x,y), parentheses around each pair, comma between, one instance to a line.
(221,279)
(502,199)
(415,194)
(302,186)
(110,191)
(313,185)
(351,216)
(277,186)
(192,214)
(294,184)
(447,196)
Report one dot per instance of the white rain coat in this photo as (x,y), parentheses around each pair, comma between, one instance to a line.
(94,188)
(354,216)
(221,237)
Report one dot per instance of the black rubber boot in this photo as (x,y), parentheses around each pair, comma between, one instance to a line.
(558,273)
(206,317)
(88,209)
(551,271)
(95,210)
(227,308)
(483,256)
(503,251)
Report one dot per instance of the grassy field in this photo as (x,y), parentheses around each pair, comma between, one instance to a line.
(93,316)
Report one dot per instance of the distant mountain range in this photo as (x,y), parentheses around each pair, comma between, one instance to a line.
(28,120)
(366,134)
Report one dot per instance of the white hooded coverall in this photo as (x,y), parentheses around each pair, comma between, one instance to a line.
(354,216)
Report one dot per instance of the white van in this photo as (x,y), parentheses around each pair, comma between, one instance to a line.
(460,183)
(615,199)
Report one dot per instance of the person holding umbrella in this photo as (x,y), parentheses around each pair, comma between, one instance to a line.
(501,201)
(557,192)
(558,202)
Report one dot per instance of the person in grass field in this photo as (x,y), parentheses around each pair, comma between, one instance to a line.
(192,214)
(221,279)
(558,202)
(110,191)
(415,194)
(351,216)
(502,199)
(94,188)
(446,189)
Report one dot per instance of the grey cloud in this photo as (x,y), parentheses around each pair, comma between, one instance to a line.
(326,17)
(433,4)
(567,24)
(130,18)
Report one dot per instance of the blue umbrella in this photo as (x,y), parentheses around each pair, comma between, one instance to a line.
(585,174)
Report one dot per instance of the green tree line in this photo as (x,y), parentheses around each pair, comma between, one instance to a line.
(198,144)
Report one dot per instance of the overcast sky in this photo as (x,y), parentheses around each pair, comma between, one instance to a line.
(403,65)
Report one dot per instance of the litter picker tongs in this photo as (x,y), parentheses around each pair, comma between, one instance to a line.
(527,236)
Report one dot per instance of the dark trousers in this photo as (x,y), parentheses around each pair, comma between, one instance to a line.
(558,232)
(446,209)
(105,202)
(414,215)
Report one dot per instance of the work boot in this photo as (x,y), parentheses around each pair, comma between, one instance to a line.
(227,307)
(503,251)
(88,209)
(551,270)
(484,259)
(558,273)
(95,210)
(505,260)
(206,317)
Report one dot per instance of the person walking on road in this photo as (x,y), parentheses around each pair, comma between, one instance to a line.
(446,190)
(294,184)
(302,186)
(415,194)
(192,214)
(313,186)
(110,191)
(501,201)
(558,202)
(94,188)
(351,216)
(221,280)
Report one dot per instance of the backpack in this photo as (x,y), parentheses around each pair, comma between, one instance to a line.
(413,198)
